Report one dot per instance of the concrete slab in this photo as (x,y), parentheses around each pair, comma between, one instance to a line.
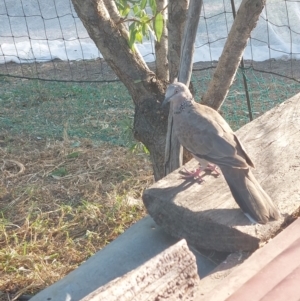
(134,247)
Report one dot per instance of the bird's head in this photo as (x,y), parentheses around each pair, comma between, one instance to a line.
(176,91)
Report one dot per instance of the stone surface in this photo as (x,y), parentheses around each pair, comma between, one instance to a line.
(133,248)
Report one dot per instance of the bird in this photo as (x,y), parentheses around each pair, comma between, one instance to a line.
(210,139)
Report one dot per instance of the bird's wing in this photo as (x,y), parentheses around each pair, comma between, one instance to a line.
(207,135)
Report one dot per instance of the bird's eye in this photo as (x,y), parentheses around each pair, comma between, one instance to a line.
(176,91)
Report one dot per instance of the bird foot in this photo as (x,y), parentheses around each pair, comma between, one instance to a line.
(213,168)
(193,174)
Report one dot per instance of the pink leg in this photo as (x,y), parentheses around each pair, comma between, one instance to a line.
(212,168)
(193,174)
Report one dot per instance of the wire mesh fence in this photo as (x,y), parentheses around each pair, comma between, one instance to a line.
(54,78)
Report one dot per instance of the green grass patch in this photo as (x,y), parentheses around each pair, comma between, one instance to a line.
(265,91)
(102,112)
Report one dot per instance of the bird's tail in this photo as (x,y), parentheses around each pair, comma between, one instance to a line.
(249,195)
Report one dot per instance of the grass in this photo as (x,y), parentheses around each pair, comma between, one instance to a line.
(70,182)
(265,92)
(65,192)
(102,112)
(65,204)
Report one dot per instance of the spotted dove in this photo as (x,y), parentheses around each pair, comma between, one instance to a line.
(204,132)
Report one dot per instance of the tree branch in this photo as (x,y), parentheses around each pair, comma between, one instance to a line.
(112,10)
(245,21)
(188,42)
(174,151)
(103,31)
(161,47)
(123,20)
(177,10)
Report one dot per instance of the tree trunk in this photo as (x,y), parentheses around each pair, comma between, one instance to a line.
(245,21)
(147,92)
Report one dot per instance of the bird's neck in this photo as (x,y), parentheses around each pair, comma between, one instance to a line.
(182,106)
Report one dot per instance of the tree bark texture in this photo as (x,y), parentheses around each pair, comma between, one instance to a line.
(188,41)
(161,47)
(114,14)
(177,10)
(147,92)
(245,21)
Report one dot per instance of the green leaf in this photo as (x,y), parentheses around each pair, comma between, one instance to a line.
(152,4)
(125,11)
(158,25)
(132,35)
(132,26)
(146,150)
(145,30)
(120,5)
(136,9)
(145,18)
(143,4)
(139,36)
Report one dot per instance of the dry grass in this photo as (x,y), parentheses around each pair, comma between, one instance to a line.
(60,202)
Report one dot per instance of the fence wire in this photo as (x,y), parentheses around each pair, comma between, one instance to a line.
(48,61)
(41,31)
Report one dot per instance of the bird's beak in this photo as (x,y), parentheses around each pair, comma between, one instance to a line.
(166,100)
